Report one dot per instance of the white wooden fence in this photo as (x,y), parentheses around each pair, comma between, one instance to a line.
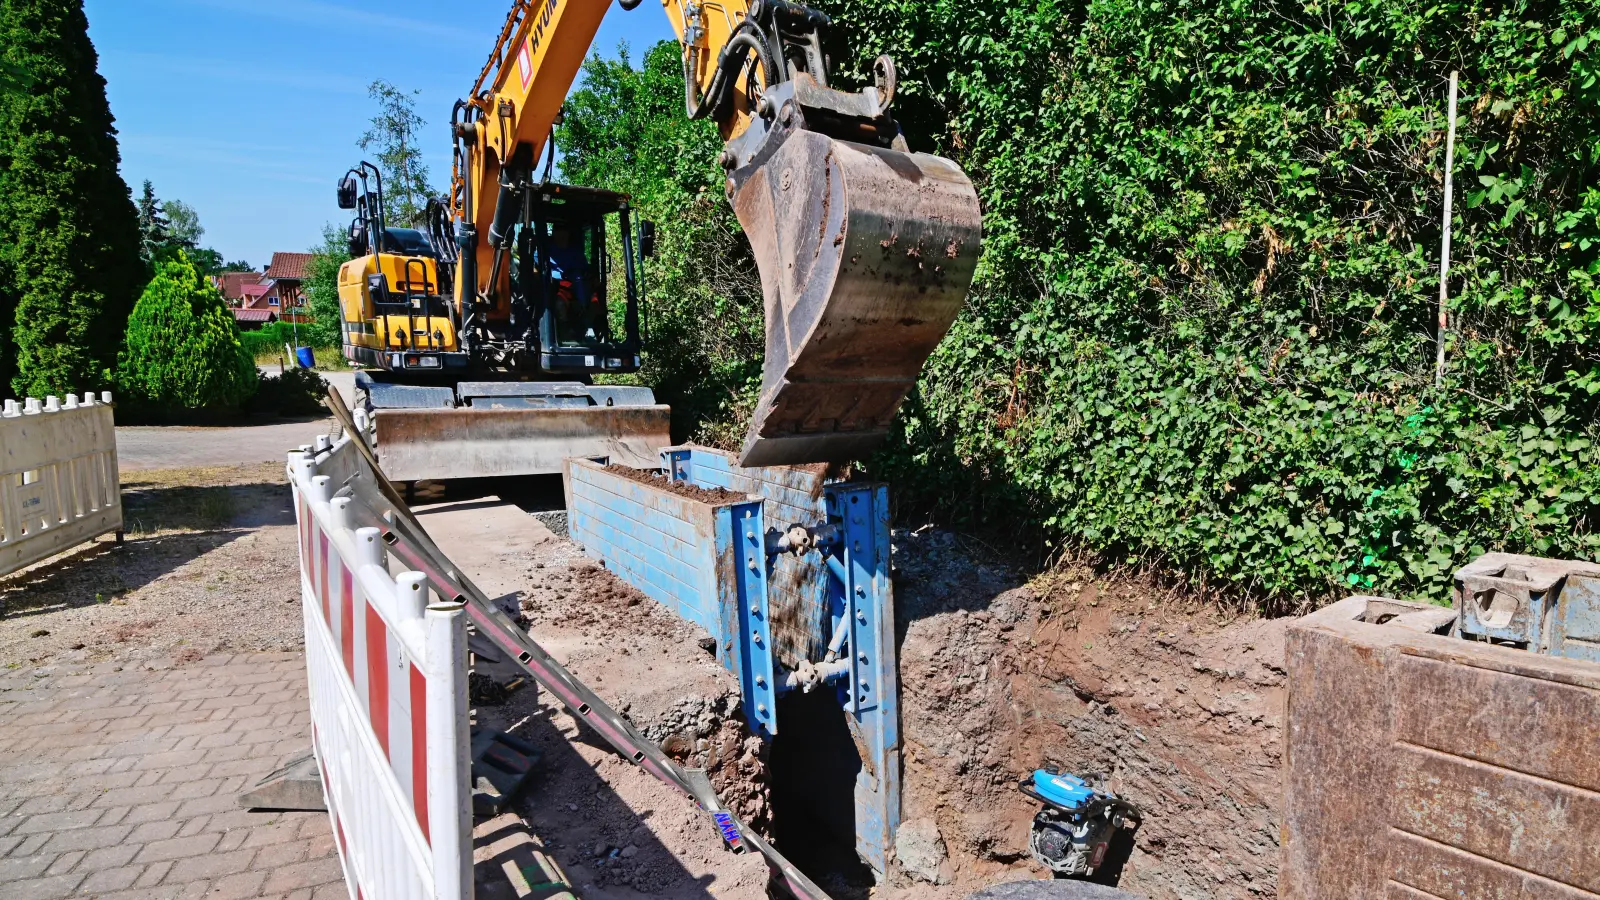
(58,477)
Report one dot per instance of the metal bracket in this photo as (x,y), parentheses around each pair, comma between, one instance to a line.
(755,664)
(856,510)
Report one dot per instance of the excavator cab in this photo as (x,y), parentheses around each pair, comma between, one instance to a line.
(575,278)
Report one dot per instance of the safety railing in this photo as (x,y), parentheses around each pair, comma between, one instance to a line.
(388,683)
(58,477)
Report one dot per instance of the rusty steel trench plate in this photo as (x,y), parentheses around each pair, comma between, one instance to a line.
(440,444)
(866,256)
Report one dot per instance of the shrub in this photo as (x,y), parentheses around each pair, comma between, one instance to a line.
(1202,334)
(297,392)
(182,355)
(268,340)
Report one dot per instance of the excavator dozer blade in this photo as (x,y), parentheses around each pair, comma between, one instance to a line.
(866,255)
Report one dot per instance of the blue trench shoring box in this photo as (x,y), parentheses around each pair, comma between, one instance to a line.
(791,579)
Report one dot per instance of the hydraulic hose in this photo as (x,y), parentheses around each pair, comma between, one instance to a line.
(746,37)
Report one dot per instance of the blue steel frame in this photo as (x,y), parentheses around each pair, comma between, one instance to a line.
(708,563)
(853,576)
(701,560)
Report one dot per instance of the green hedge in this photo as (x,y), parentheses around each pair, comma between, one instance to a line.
(267,339)
(1201,337)
(1202,334)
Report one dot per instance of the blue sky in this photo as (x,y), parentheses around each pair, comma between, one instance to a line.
(249,110)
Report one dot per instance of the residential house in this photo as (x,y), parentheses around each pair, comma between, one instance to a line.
(258,298)
(231,284)
(289,270)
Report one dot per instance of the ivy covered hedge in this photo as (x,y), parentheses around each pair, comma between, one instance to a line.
(1202,334)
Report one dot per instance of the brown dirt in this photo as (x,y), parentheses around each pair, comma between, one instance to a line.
(1179,705)
(698,719)
(649,665)
(714,495)
(208,565)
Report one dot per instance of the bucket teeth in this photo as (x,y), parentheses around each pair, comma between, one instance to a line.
(866,255)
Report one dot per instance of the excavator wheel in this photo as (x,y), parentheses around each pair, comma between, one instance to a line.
(866,255)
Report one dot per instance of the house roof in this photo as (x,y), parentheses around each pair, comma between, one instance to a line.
(289,265)
(232,283)
(256,289)
(255,315)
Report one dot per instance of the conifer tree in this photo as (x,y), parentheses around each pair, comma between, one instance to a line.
(153,226)
(182,353)
(69,234)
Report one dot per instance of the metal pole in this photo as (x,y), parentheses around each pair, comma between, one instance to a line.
(1444,254)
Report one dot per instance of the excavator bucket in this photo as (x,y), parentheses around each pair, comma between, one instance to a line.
(866,255)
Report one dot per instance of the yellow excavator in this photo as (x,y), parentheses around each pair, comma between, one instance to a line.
(480,337)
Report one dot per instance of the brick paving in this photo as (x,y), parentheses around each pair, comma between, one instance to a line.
(118,781)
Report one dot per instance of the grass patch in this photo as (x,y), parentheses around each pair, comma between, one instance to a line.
(190,500)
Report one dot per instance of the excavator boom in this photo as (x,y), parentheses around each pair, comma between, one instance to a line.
(866,250)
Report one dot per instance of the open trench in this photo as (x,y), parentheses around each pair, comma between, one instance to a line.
(999,675)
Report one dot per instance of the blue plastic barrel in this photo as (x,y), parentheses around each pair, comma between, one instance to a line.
(305,357)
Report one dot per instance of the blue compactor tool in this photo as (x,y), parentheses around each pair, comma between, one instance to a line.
(1074,831)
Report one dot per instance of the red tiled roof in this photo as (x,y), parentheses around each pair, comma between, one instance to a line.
(232,283)
(289,265)
(255,315)
(254,290)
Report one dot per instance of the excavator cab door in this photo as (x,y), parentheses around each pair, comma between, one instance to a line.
(578,266)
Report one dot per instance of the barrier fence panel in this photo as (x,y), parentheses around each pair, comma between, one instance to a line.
(58,477)
(388,683)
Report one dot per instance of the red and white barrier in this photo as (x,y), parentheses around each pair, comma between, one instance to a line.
(388,683)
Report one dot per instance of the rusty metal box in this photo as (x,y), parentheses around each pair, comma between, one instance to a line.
(1421,766)
(1541,605)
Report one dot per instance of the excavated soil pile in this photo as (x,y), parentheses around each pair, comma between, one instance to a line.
(656,672)
(1181,708)
(714,495)
(618,832)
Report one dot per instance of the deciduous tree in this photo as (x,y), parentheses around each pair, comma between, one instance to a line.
(395,133)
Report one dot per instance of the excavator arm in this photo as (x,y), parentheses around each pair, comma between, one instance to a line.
(866,250)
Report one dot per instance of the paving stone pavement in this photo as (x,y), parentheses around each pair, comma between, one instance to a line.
(118,782)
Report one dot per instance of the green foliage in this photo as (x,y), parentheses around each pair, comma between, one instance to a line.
(154,230)
(166,226)
(1201,334)
(269,339)
(322,289)
(395,132)
(183,354)
(207,260)
(296,392)
(183,225)
(69,238)
(624,130)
